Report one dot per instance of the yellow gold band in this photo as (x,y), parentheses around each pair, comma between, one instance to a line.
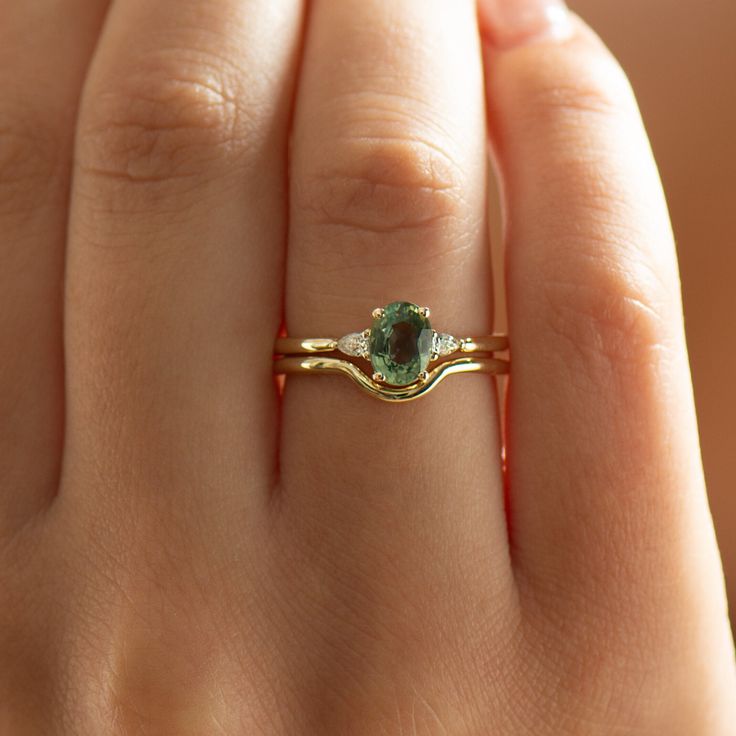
(309,345)
(324,364)
(400,346)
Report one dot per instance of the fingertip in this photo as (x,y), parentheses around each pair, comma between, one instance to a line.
(509,23)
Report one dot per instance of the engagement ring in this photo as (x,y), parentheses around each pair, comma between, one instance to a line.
(400,346)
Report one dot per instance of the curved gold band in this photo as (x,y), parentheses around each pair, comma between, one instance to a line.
(309,345)
(308,364)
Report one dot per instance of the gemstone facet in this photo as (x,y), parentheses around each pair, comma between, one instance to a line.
(356,343)
(444,344)
(400,343)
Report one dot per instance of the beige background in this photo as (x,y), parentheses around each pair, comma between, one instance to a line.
(681,58)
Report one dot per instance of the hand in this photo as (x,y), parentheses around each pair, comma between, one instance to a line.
(182,550)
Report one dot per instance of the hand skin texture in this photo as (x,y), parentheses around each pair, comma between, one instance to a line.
(185,551)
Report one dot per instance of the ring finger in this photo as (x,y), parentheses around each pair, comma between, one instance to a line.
(388,202)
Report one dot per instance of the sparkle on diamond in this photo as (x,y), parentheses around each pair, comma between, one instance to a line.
(356,344)
(444,344)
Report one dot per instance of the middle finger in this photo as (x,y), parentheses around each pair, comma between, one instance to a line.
(176,242)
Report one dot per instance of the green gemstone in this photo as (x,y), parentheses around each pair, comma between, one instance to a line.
(400,343)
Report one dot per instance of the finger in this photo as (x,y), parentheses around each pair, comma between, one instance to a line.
(175,255)
(388,201)
(606,494)
(44,49)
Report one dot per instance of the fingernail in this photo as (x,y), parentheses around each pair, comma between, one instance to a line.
(515,22)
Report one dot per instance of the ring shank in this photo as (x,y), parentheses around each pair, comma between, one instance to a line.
(311,345)
(326,365)
(485,344)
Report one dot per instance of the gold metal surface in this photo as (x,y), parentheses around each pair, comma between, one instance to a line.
(485,344)
(299,346)
(396,394)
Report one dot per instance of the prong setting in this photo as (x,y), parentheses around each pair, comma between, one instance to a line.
(405,356)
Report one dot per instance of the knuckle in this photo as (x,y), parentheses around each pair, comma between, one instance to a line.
(576,86)
(612,310)
(159,122)
(384,185)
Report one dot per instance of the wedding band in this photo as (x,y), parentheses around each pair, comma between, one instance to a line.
(400,347)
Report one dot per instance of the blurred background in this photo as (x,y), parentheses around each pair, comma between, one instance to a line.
(681,59)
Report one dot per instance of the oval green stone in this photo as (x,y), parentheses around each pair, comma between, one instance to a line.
(400,343)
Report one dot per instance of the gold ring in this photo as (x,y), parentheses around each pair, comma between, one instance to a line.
(400,346)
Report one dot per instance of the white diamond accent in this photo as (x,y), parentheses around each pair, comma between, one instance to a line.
(356,343)
(444,344)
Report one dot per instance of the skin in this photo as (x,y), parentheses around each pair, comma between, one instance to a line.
(183,550)
(693,60)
